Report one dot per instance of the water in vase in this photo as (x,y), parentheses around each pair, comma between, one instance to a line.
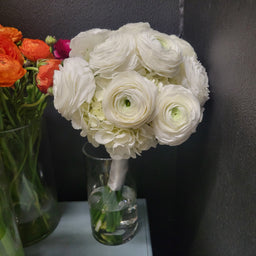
(114,217)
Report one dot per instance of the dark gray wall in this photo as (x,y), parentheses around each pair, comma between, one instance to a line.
(217,185)
(66,18)
(203,203)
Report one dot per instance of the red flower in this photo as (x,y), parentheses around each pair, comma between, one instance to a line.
(45,75)
(8,47)
(10,71)
(35,49)
(62,49)
(11,32)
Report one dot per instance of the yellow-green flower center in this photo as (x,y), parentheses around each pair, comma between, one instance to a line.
(176,113)
(127,103)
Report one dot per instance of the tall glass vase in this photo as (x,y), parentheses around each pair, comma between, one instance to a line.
(29,183)
(111,197)
(10,243)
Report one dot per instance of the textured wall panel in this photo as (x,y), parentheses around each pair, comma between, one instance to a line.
(217,215)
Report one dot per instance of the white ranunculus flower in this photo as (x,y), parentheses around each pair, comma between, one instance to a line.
(135,27)
(116,54)
(178,114)
(196,79)
(83,44)
(73,85)
(129,100)
(159,53)
(185,47)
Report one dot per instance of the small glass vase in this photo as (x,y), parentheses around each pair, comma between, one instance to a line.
(10,243)
(113,213)
(30,183)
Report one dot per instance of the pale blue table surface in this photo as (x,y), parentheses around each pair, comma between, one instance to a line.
(73,236)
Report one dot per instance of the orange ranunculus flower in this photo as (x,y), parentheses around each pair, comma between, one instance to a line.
(35,49)
(45,75)
(10,71)
(8,47)
(11,32)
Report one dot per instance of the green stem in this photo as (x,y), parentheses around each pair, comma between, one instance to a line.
(17,174)
(1,122)
(8,243)
(9,156)
(99,223)
(8,235)
(105,215)
(40,213)
(29,150)
(31,105)
(27,105)
(7,110)
(34,146)
(34,197)
(32,68)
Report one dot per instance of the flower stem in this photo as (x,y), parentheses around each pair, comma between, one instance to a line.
(9,239)
(7,153)
(41,99)
(28,192)
(106,215)
(32,68)
(6,109)
(7,242)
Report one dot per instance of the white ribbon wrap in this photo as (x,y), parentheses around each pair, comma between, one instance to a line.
(117,174)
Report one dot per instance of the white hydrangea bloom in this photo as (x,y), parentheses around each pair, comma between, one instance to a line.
(129,143)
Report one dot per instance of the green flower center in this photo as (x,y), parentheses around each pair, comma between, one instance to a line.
(127,103)
(175,113)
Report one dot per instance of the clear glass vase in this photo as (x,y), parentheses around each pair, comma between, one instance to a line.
(10,243)
(113,212)
(31,184)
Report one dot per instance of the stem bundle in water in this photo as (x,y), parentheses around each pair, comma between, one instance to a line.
(112,202)
(34,205)
(106,214)
(113,214)
(10,243)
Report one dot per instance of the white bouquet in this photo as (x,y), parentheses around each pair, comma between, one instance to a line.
(129,90)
